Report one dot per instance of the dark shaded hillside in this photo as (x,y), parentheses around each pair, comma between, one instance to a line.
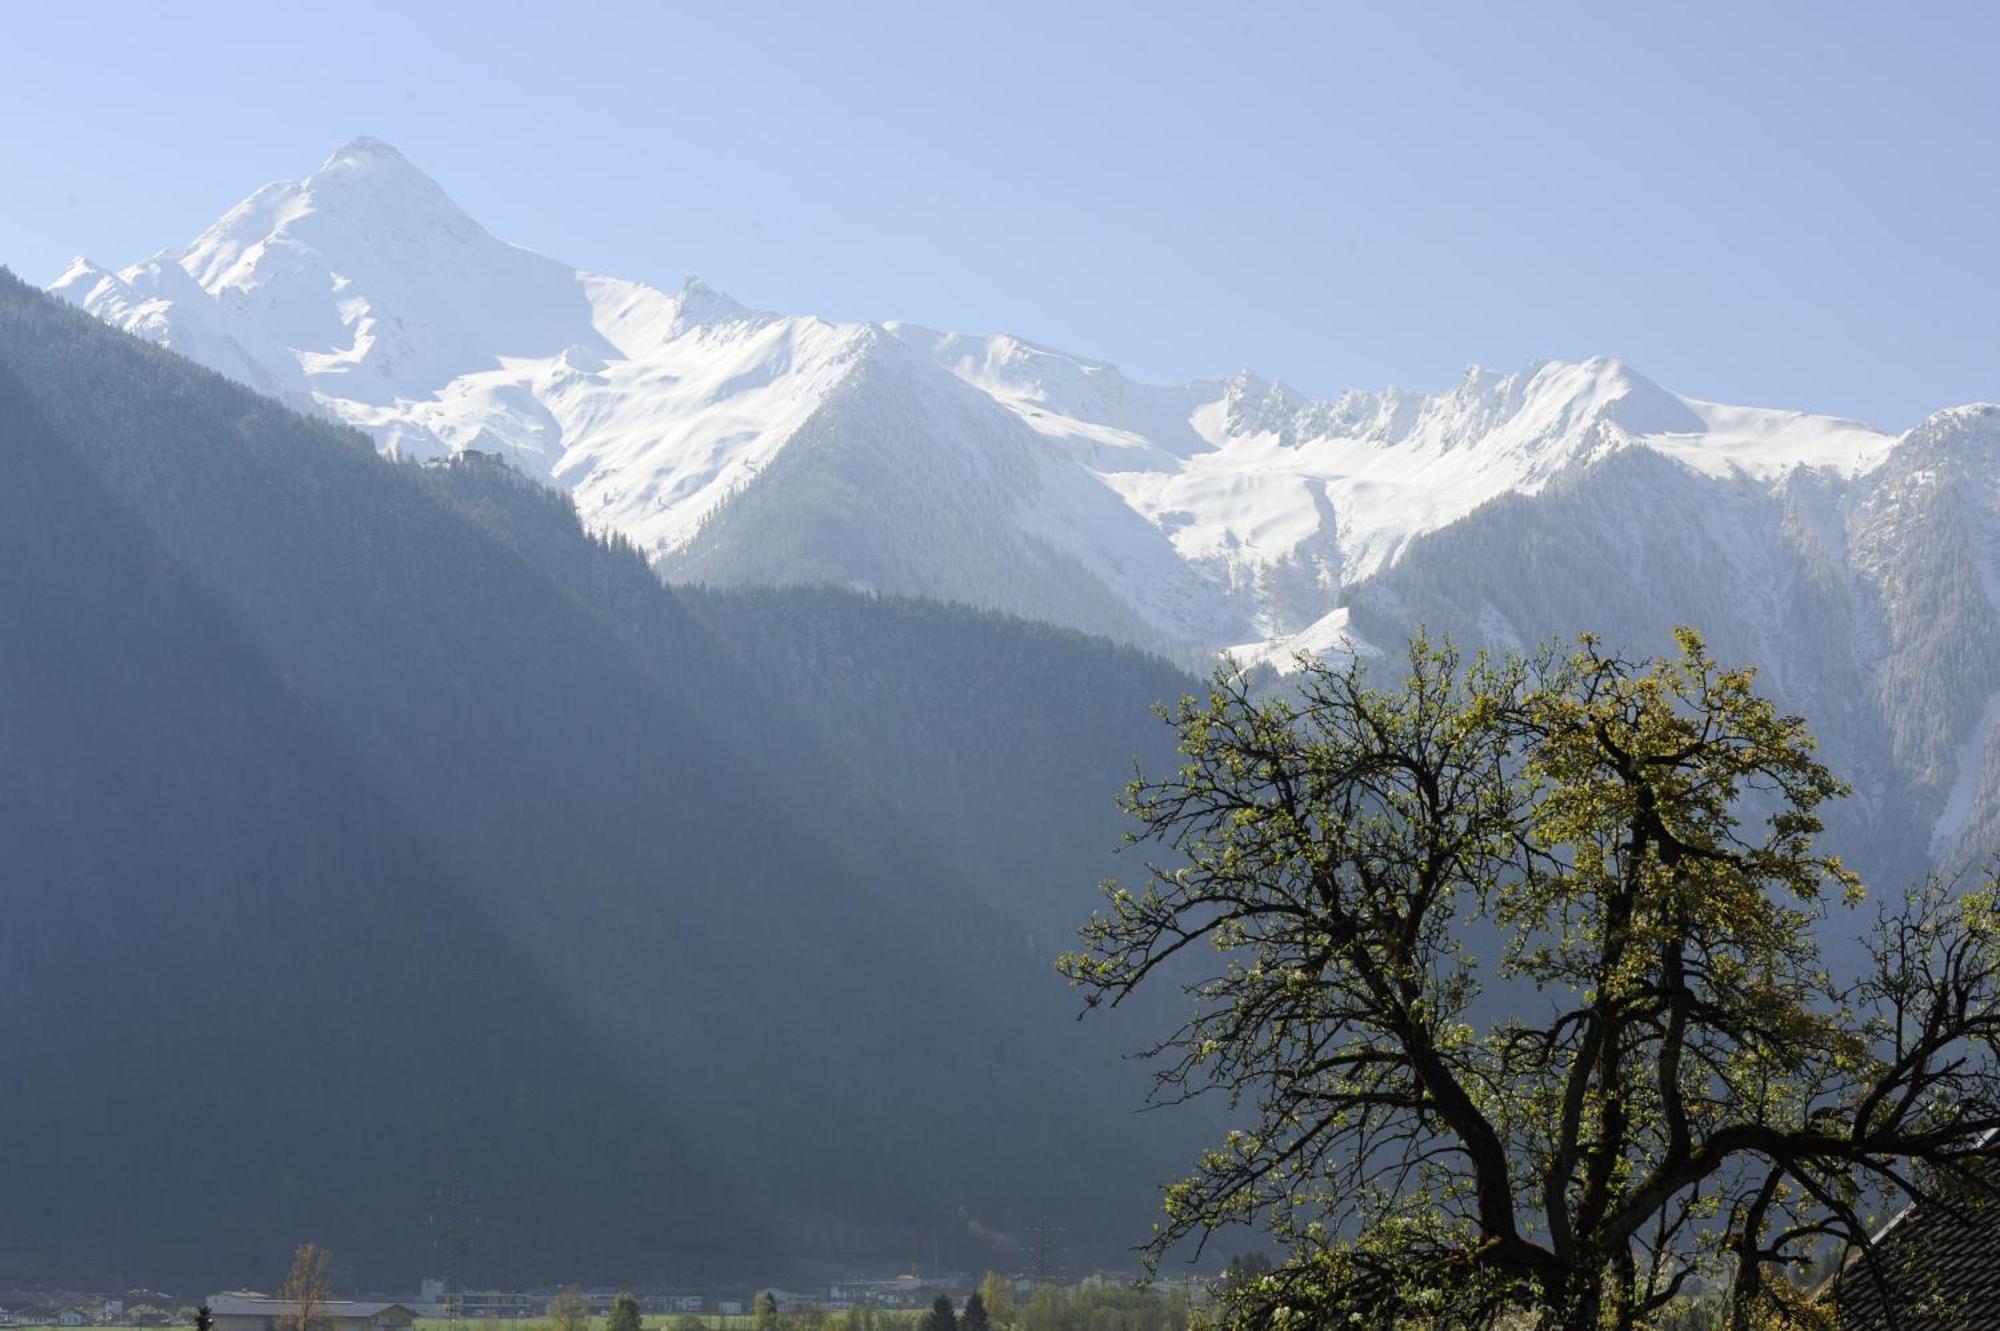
(1003,740)
(966,718)
(213,924)
(351,846)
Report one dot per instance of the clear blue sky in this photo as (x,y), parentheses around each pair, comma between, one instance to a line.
(1791,205)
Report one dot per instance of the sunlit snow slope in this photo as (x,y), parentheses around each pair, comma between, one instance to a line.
(737,446)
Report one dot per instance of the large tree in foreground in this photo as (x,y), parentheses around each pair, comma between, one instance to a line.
(1517,983)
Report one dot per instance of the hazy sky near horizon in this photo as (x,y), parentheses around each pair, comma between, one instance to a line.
(1780,204)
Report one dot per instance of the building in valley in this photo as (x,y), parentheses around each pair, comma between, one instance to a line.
(242,1310)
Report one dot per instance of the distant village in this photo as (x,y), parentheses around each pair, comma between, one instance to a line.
(250,1310)
(136,1307)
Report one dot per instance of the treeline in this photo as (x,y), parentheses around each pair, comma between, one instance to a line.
(995,1306)
(1104,1308)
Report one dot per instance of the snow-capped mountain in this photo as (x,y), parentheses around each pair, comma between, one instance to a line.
(1859,568)
(734,445)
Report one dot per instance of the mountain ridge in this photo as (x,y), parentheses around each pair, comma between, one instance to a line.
(739,448)
(1226,513)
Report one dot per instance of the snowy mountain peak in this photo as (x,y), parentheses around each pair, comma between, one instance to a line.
(77,268)
(81,276)
(365,208)
(1017,370)
(1973,420)
(1615,392)
(372,183)
(1260,406)
(1555,399)
(700,305)
(365,168)
(365,148)
(1959,445)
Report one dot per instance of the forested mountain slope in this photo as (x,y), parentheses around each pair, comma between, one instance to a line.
(360,844)
(974,726)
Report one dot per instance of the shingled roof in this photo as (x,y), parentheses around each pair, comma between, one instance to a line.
(1939,1269)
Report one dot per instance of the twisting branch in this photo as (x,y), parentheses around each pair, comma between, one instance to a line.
(1522,1009)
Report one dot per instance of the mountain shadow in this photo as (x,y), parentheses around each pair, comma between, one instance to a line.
(353,845)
